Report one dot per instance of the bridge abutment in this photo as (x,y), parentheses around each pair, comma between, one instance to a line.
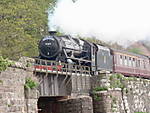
(115,93)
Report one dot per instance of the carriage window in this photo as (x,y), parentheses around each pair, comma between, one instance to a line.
(125,61)
(130,61)
(134,62)
(147,65)
(139,64)
(121,60)
(144,64)
(104,59)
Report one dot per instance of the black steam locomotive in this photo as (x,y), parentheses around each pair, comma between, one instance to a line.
(99,58)
(75,51)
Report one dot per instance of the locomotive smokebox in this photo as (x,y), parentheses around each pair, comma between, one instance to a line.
(49,46)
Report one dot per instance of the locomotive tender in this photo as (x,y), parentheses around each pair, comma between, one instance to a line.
(99,58)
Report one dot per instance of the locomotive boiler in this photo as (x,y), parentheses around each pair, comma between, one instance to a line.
(65,49)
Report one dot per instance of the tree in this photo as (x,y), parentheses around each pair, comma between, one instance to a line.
(22,24)
(135,50)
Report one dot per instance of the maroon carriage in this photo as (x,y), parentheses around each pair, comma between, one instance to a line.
(131,64)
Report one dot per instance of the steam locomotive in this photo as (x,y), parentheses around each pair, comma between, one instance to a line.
(99,58)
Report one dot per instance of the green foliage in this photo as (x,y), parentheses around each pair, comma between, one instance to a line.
(135,50)
(100,89)
(9,105)
(96,97)
(22,24)
(4,63)
(126,91)
(28,64)
(1,82)
(116,81)
(30,84)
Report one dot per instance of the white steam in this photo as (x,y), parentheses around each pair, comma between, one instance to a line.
(108,20)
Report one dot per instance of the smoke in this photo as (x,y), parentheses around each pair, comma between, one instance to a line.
(109,20)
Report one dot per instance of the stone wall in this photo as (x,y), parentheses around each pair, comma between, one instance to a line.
(137,95)
(121,94)
(76,105)
(12,92)
(31,99)
(108,102)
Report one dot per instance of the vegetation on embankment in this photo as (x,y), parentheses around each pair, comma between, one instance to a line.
(22,24)
(4,63)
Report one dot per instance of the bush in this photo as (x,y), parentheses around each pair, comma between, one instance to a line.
(135,50)
(4,63)
(30,84)
(116,81)
(100,89)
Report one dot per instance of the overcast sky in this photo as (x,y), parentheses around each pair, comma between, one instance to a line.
(108,20)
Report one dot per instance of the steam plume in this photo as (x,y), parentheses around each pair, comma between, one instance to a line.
(108,20)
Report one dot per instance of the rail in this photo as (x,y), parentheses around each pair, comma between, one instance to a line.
(49,66)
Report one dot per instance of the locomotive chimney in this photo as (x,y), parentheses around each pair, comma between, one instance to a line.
(52,32)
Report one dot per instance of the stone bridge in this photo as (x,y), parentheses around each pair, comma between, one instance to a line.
(70,89)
